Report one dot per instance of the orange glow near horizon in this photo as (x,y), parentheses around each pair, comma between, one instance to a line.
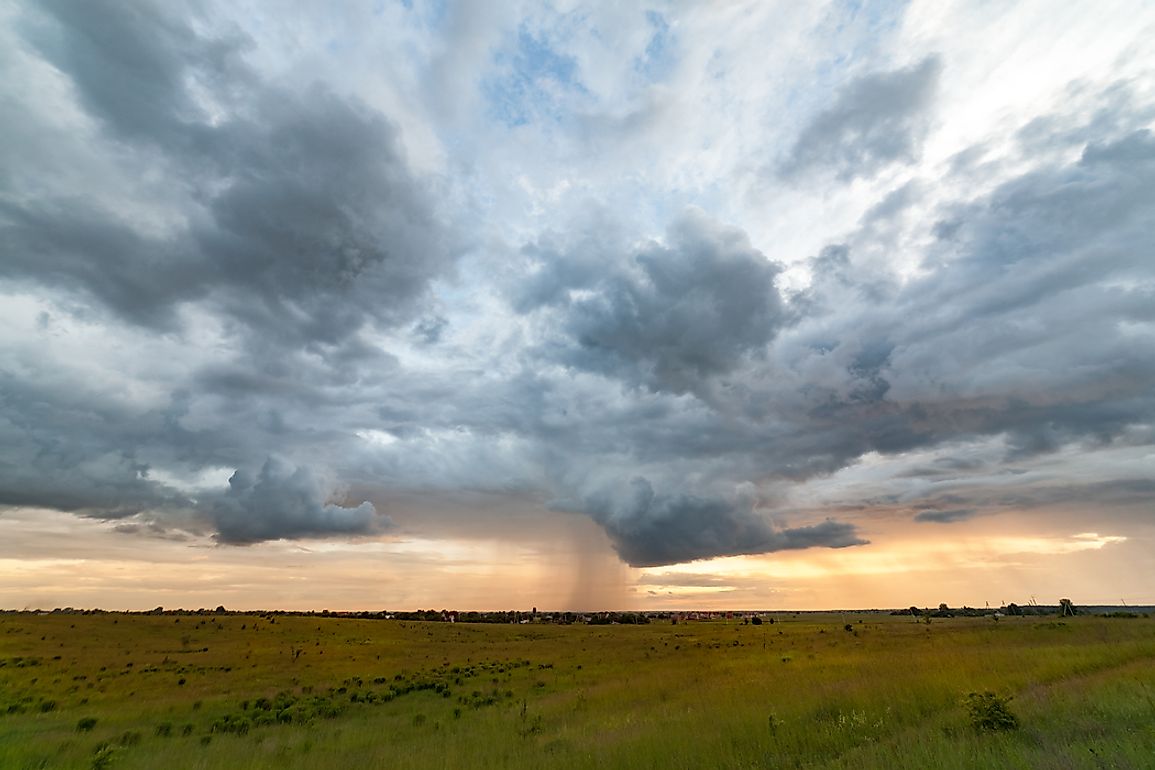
(55,560)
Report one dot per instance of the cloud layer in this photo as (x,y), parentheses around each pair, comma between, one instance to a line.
(261,284)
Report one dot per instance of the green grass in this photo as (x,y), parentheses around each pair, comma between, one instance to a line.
(310,692)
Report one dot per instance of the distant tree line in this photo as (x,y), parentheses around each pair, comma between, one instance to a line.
(1064,608)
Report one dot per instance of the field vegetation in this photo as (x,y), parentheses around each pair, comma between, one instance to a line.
(839,690)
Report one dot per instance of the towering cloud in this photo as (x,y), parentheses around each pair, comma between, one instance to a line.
(284,501)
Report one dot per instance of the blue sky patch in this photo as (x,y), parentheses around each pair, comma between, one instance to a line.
(533,81)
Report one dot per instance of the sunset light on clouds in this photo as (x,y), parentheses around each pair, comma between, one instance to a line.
(579,306)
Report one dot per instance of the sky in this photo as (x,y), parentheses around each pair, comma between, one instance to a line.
(491,305)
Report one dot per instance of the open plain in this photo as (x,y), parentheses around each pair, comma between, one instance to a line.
(836,690)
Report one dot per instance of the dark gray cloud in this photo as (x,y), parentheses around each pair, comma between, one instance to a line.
(873,121)
(138,67)
(284,214)
(945,517)
(285,501)
(60,448)
(650,528)
(668,316)
(293,211)
(1125,496)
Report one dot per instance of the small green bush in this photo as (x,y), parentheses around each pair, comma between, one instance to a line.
(231,723)
(103,756)
(85,724)
(988,712)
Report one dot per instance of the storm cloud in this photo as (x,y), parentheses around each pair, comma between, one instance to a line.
(281,500)
(650,528)
(668,316)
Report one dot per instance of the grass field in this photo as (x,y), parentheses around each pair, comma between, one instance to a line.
(232,691)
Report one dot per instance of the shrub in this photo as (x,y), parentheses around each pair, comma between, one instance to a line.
(988,712)
(85,724)
(230,723)
(103,756)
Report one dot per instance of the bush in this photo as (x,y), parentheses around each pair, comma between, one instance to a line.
(85,724)
(103,756)
(230,723)
(988,712)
